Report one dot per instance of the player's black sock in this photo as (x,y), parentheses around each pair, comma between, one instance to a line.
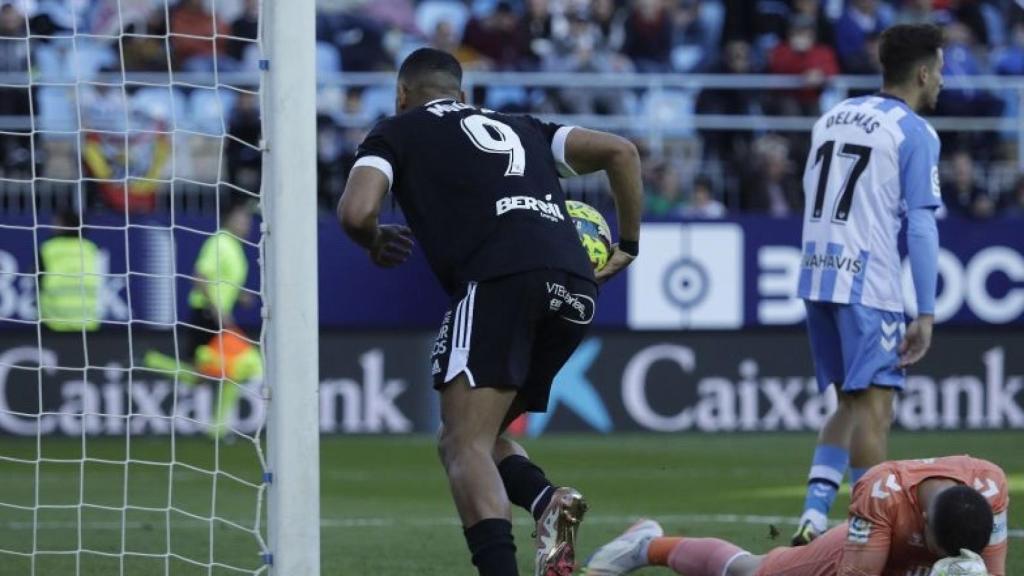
(490,543)
(526,484)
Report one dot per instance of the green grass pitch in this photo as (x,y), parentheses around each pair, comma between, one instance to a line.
(385,503)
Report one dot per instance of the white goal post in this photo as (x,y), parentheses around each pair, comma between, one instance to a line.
(148,425)
(289,182)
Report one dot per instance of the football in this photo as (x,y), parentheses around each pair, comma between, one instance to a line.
(593,230)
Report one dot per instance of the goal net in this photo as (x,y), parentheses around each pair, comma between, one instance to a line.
(132,405)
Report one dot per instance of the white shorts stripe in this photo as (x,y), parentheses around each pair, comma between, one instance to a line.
(462,332)
(469,314)
(463,325)
(457,323)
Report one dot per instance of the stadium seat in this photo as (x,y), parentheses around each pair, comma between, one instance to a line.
(686,57)
(250,59)
(151,107)
(378,101)
(671,111)
(94,55)
(481,8)
(328,58)
(500,97)
(58,110)
(431,12)
(209,111)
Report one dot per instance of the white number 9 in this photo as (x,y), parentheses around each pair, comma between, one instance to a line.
(508,143)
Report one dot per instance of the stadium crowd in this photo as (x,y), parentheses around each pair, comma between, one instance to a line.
(708,173)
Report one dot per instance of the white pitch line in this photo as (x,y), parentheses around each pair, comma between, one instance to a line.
(439,521)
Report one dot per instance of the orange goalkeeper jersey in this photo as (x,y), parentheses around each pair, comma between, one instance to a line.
(884,534)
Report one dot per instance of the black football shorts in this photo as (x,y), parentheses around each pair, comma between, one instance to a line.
(514,332)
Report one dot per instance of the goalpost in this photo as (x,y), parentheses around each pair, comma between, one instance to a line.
(124,449)
(290,179)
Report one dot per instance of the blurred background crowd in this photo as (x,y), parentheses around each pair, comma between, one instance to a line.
(126,93)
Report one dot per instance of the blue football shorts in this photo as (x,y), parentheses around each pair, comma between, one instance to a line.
(855,346)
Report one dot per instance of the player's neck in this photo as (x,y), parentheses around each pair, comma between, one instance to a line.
(909,96)
(930,488)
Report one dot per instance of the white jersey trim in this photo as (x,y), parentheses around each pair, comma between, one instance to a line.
(558,151)
(378,163)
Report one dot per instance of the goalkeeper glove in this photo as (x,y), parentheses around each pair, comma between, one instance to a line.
(966,564)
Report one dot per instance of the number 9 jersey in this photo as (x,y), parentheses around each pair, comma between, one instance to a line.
(872,159)
(480,190)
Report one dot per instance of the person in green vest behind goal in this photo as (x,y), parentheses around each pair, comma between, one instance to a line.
(217,347)
(69,278)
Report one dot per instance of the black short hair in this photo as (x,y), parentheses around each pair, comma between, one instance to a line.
(67,221)
(904,47)
(431,69)
(229,206)
(961,518)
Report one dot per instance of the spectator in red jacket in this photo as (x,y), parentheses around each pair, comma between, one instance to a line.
(802,54)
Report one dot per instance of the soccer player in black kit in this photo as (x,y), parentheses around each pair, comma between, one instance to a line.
(481,193)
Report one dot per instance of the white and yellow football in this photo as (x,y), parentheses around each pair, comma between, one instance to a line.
(593,230)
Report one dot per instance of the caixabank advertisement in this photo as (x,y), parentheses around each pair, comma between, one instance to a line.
(379,383)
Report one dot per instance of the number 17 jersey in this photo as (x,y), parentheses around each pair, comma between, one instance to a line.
(872,159)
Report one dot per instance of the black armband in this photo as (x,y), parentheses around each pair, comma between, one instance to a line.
(631,247)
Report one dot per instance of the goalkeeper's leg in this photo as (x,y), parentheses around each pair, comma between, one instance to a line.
(644,545)
(183,371)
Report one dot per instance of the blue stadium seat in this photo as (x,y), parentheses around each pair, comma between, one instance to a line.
(209,111)
(157,108)
(93,55)
(499,97)
(58,109)
(667,107)
(378,102)
(328,58)
(686,57)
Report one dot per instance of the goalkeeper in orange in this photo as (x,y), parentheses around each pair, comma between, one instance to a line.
(217,347)
(904,517)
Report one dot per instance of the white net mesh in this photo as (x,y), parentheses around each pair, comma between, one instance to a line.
(131,400)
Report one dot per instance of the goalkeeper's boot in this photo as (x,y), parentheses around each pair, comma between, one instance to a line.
(556,533)
(626,553)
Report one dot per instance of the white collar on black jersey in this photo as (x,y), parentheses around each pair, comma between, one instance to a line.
(445,99)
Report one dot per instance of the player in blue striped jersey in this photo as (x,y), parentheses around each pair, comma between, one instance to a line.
(873,162)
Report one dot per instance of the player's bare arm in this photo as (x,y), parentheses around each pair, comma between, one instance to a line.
(588,151)
(917,341)
(358,210)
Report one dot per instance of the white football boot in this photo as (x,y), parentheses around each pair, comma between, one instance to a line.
(626,553)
